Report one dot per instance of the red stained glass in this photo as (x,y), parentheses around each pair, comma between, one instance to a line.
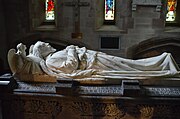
(50,5)
(171,10)
(49,9)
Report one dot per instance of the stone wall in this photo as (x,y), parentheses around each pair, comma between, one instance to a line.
(3,47)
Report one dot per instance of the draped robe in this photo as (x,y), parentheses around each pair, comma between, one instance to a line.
(80,63)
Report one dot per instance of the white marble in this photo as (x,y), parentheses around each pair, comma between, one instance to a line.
(81,64)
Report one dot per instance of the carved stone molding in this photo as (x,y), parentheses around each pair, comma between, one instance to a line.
(40,101)
(156,3)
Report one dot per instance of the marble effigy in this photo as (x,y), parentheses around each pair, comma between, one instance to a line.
(44,63)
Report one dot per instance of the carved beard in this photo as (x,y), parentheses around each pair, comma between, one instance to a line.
(45,51)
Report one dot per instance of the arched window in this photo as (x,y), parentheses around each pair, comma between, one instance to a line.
(43,14)
(110,17)
(171,10)
(109,11)
(49,6)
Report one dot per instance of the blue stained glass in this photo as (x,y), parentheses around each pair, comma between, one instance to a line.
(109,9)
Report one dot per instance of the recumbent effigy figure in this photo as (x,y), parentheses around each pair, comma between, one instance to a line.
(84,64)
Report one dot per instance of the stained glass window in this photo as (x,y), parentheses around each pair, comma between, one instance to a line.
(49,9)
(171,10)
(109,9)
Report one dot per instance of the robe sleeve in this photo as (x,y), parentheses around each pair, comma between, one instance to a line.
(71,64)
(64,61)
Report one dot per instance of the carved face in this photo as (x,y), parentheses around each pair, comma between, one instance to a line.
(43,48)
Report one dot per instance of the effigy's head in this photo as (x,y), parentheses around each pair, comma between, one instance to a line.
(42,49)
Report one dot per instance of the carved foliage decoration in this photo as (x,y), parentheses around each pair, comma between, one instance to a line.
(37,107)
(163,111)
(82,108)
(18,105)
(52,108)
(146,112)
(105,110)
